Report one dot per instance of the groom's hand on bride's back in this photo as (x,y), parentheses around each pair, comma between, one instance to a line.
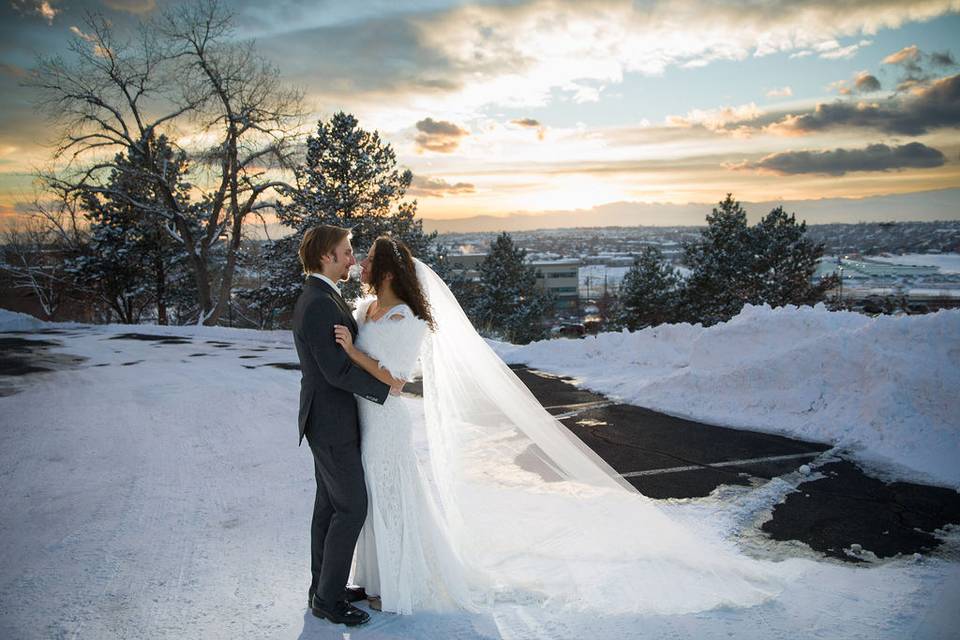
(397,388)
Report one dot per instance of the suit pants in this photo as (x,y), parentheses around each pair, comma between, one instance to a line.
(339,511)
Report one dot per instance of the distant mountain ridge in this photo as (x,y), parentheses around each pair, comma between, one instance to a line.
(942,204)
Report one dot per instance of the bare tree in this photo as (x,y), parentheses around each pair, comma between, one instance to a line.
(31,259)
(182,75)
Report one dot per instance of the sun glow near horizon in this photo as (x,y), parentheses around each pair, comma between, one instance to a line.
(561,106)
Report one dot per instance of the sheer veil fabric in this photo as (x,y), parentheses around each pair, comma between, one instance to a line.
(534,515)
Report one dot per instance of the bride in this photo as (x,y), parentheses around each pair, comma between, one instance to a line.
(508,505)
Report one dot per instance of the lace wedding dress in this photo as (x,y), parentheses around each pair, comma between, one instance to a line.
(509,505)
(402,555)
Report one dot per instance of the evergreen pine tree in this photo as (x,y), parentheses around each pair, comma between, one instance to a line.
(508,303)
(131,261)
(786,262)
(350,179)
(721,263)
(648,295)
(733,264)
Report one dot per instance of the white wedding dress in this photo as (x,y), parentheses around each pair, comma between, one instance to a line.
(402,555)
(510,506)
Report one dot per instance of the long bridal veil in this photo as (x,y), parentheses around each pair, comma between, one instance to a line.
(534,515)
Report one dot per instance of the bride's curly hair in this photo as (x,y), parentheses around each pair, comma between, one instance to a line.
(393,256)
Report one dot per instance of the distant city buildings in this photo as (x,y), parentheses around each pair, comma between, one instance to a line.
(561,280)
(581,266)
(466,265)
(922,287)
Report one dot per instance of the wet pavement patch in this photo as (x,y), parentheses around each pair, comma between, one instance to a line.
(18,356)
(554,391)
(846,514)
(22,357)
(147,337)
(848,507)
(16,366)
(666,456)
(289,366)
(669,457)
(23,345)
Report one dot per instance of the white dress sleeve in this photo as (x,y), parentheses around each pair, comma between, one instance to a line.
(360,312)
(402,336)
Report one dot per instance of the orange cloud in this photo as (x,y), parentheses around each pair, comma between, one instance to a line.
(439,136)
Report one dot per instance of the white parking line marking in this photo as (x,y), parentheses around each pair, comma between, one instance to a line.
(728,463)
(578,408)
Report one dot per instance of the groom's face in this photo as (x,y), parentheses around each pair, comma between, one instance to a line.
(339,262)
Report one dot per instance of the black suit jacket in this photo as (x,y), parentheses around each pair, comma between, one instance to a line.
(327,405)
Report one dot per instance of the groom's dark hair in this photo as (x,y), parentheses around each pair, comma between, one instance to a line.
(318,242)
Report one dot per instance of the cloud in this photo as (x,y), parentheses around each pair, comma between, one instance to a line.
(906,56)
(439,136)
(943,59)
(930,107)
(530,123)
(837,162)
(131,6)
(98,50)
(863,82)
(840,86)
(866,82)
(784,92)
(719,120)
(838,52)
(42,8)
(917,67)
(457,61)
(12,70)
(438,187)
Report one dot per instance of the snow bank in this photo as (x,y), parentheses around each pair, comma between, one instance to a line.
(13,321)
(885,388)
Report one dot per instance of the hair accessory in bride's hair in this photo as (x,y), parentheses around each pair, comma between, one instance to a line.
(396,251)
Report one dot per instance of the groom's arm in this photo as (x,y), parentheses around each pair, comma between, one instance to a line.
(337,368)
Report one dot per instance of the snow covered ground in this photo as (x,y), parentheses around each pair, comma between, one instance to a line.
(156,490)
(946,262)
(884,388)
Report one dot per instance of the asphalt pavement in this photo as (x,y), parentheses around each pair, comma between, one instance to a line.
(841,511)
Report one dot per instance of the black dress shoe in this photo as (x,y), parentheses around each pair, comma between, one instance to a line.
(342,612)
(350,594)
(354,594)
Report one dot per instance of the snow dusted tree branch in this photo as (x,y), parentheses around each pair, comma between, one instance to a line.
(118,102)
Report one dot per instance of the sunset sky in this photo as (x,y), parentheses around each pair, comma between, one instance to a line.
(505,107)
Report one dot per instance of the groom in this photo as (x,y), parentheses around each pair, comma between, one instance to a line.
(328,418)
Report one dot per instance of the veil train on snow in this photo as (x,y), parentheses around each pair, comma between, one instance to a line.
(533,512)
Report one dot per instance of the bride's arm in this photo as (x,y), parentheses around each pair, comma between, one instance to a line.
(368,364)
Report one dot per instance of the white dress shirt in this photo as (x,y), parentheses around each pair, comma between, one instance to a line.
(327,280)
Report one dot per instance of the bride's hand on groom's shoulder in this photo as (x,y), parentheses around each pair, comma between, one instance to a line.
(343,337)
